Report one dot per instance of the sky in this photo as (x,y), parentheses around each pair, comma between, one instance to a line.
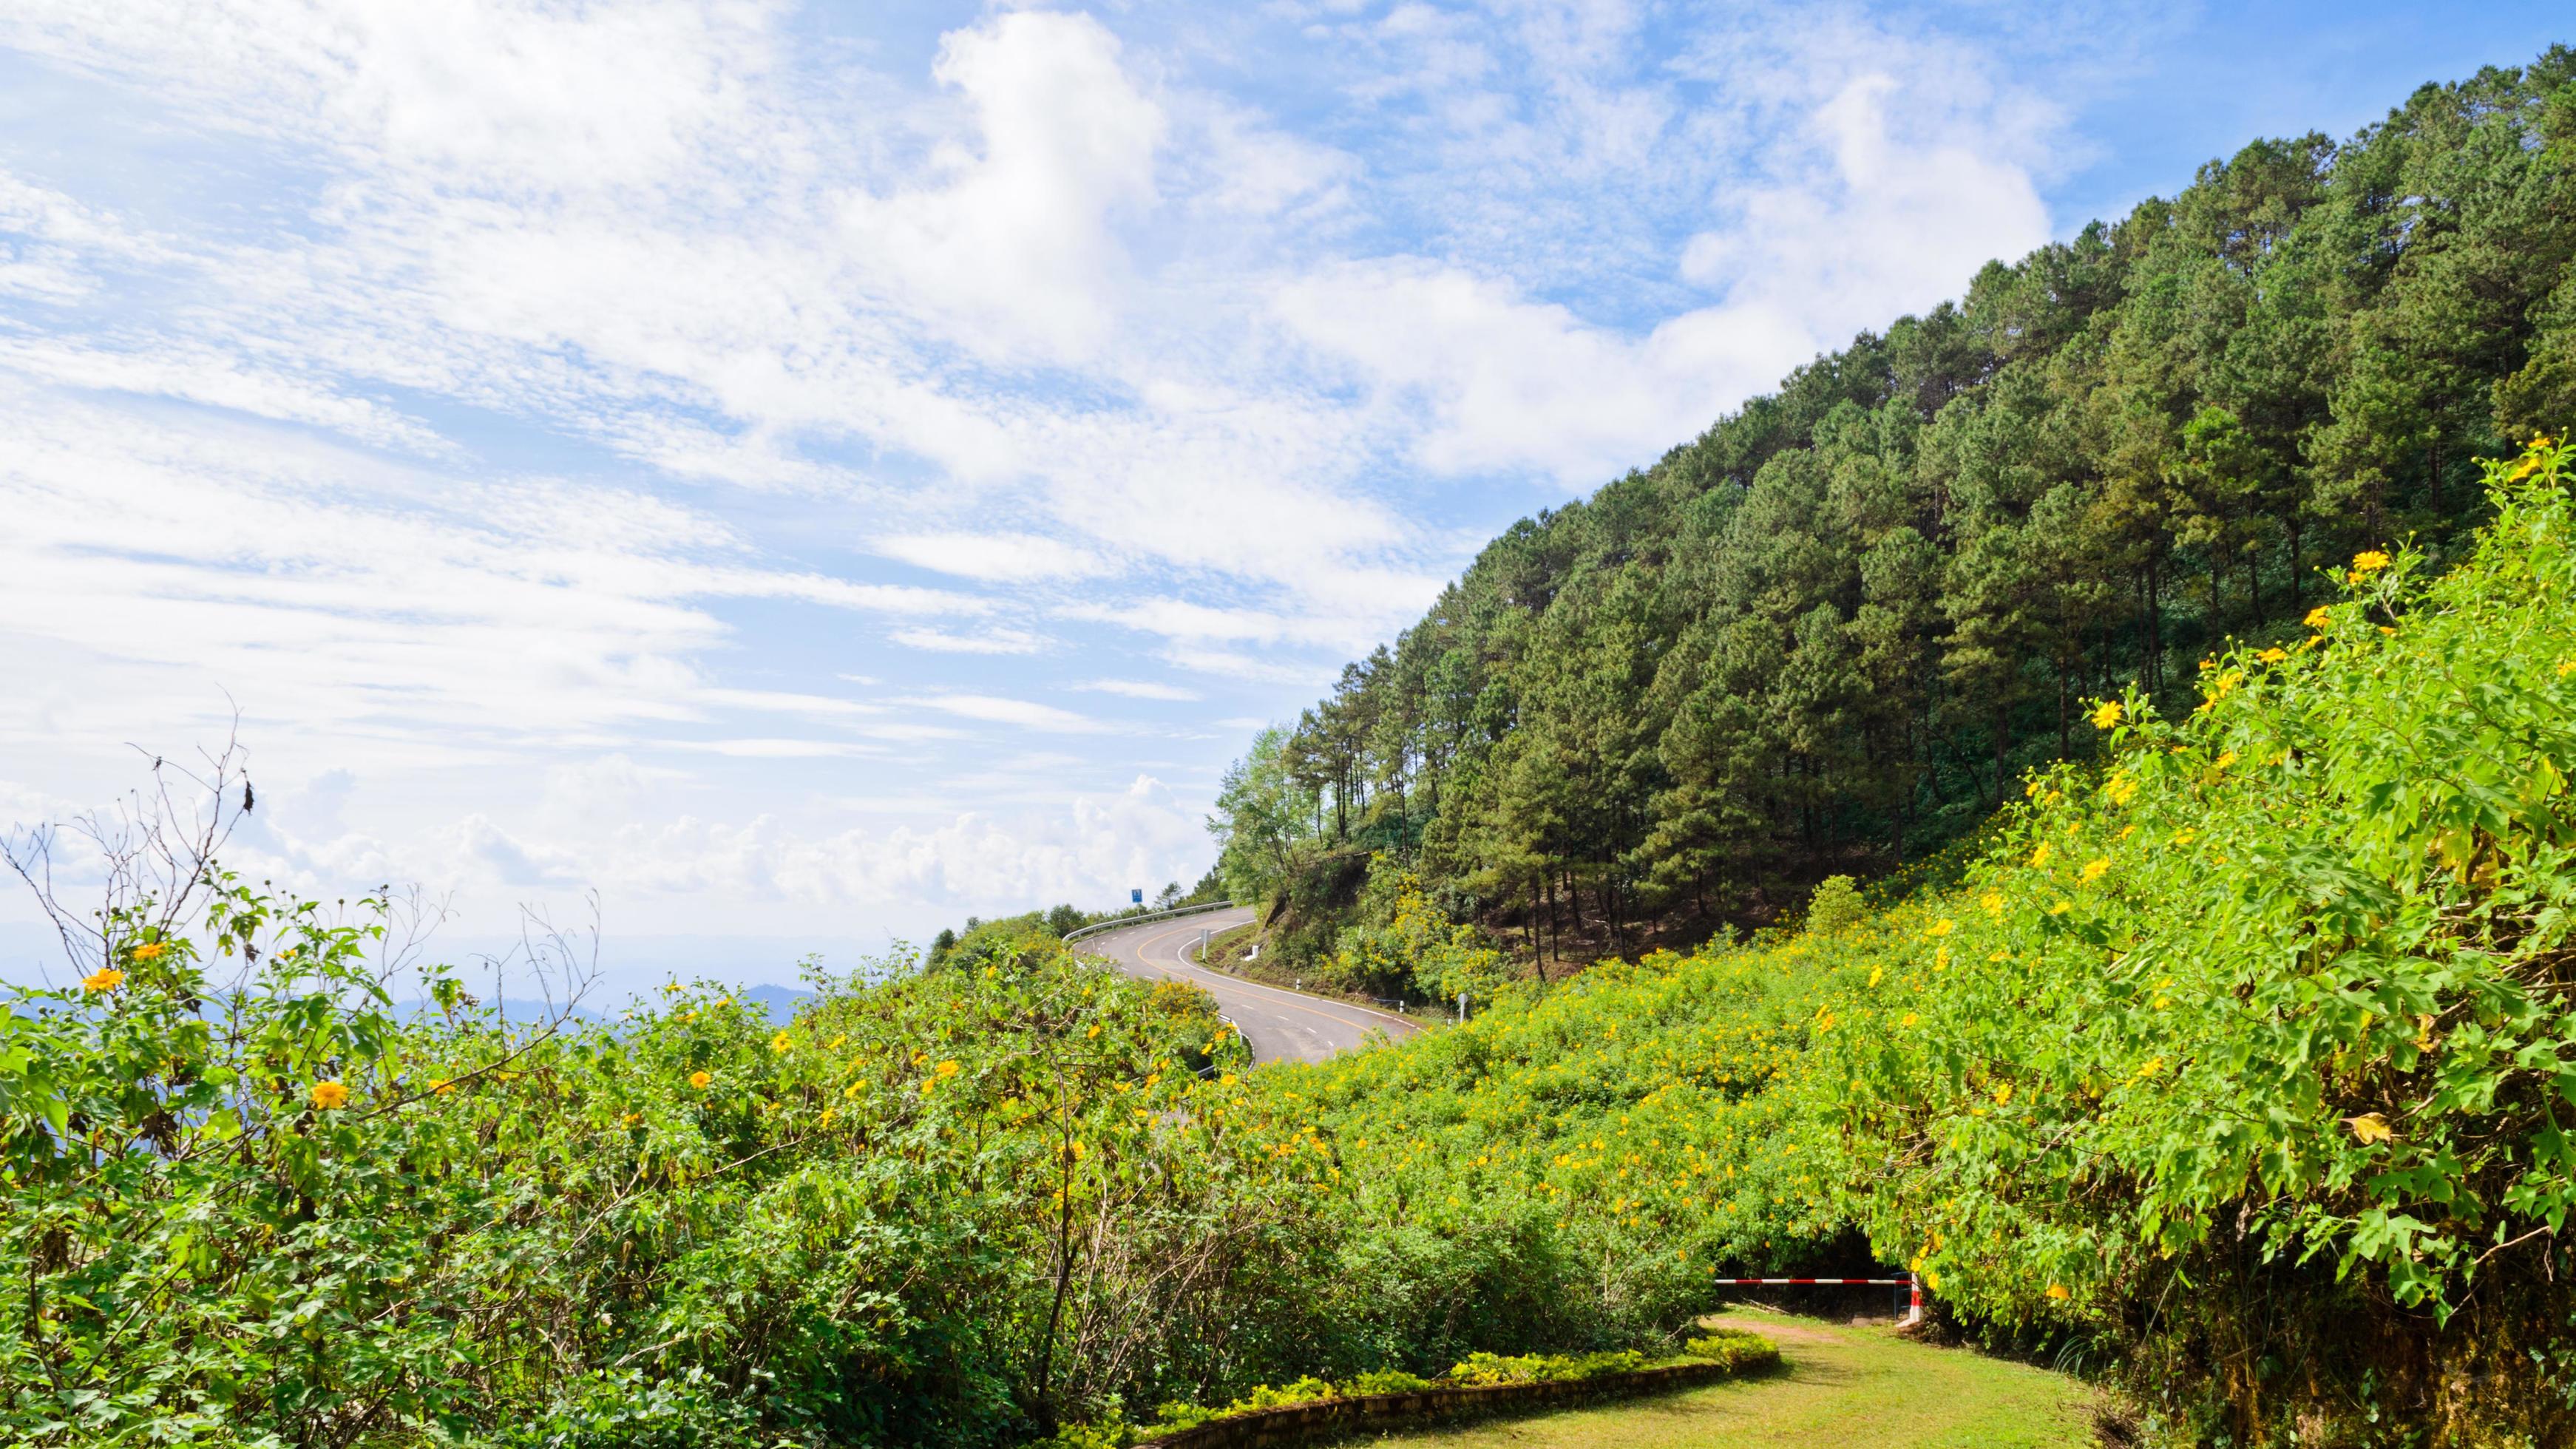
(808,473)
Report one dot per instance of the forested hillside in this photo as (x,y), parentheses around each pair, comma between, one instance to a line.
(1831,632)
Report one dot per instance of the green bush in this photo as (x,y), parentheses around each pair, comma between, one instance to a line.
(1835,906)
(946,1207)
(1486,1368)
(1733,1348)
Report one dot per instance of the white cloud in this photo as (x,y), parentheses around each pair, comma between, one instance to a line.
(354,606)
(524,411)
(991,641)
(994,557)
(994,709)
(1140,689)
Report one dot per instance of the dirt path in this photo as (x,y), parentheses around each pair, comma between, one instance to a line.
(1840,1388)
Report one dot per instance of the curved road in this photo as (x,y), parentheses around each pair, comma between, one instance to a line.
(1279,1024)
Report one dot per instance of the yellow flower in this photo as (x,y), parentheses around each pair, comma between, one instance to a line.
(1993,901)
(2319,617)
(700,1080)
(2273,656)
(149,951)
(2122,789)
(2368,561)
(2224,760)
(2039,857)
(1909,1019)
(440,1086)
(106,978)
(1877,974)
(1942,927)
(2061,908)
(2151,1066)
(2003,1093)
(2096,868)
(2107,715)
(1227,1080)
(779,1043)
(2370,1127)
(2057,1291)
(330,1095)
(949,1069)
(830,1114)
(724,1001)
(2185,837)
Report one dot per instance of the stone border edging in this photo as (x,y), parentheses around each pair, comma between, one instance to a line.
(1322,1419)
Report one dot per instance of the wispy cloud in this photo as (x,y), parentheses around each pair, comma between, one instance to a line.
(991,641)
(648,381)
(1141,689)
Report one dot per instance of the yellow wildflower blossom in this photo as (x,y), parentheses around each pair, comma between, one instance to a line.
(1942,927)
(2107,715)
(149,951)
(2057,1291)
(700,1080)
(105,979)
(780,1042)
(330,1095)
(2273,656)
(2096,868)
(2319,617)
(2368,561)
(2039,857)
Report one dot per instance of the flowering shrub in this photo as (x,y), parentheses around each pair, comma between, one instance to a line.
(1407,945)
(943,1208)
(1734,1348)
(2268,1023)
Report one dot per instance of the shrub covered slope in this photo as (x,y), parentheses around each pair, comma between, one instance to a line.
(2241,1063)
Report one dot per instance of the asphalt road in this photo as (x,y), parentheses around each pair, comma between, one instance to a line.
(1279,1024)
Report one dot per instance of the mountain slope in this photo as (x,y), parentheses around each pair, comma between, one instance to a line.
(1830,633)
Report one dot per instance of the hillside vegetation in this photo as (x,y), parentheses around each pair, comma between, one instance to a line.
(2240,1062)
(2235,1068)
(1831,633)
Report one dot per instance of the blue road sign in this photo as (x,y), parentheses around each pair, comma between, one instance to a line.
(1136,895)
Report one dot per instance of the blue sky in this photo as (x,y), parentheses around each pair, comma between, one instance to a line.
(813,472)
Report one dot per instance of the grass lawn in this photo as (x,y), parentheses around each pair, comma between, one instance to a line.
(1839,1388)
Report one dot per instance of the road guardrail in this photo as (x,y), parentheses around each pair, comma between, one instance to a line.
(1148,918)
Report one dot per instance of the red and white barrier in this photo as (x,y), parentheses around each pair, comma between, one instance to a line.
(1914,1295)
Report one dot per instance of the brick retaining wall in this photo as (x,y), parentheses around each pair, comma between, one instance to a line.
(1331,1418)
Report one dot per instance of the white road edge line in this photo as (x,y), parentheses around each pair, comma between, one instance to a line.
(1285,992)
